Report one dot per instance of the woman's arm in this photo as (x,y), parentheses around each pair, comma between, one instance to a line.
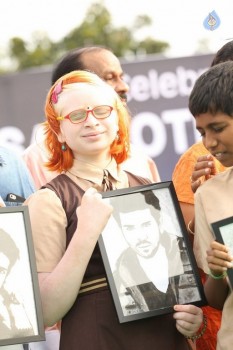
(59,288)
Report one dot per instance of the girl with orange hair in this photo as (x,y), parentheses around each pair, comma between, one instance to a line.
(87,137)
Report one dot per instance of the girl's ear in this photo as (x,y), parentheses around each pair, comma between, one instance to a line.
(60,136)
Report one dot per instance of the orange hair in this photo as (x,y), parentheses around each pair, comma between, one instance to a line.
(60,160)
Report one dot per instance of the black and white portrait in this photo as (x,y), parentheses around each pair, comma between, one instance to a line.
(18,313)
(227,235)
(223,231)
(149,260)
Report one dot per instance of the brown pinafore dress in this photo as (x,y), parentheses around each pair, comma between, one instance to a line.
(92,323)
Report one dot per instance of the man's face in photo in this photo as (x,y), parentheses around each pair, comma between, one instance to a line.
(141,231)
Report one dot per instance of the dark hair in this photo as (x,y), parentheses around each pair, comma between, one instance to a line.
(122,205)
(151,199)
(224,54)
(73,60)
(8,248)
(213,91)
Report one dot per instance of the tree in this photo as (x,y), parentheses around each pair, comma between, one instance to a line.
(41,52)
(96,29)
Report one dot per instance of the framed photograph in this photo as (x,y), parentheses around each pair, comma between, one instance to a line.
(20,307)
(147,255)
(223,232)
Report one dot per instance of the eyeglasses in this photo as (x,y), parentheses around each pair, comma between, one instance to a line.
(80,115)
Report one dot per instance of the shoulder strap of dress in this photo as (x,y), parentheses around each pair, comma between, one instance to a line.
(67,190)
(135,180)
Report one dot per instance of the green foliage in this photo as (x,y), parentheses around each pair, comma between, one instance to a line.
(42,52)
(96,29)
(142,21)
(150,46)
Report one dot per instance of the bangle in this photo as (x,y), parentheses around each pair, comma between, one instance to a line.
(189,229)
(201,330)
(218,277)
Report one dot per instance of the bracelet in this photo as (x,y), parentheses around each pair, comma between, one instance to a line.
(189,229)
(200,332)
(219,277)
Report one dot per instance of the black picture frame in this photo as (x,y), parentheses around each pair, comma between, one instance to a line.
(134,294)
(21,318)
(223,232)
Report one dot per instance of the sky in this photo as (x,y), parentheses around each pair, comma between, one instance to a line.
(178,22)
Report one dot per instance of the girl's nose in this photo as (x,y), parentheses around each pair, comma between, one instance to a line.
(91,119)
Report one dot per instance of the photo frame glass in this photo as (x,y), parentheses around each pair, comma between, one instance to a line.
(223,232)
(147,254)
(21,318)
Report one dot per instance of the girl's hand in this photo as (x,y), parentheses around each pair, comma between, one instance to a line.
(93,213)
(203,170)
(219,258)
(188,318)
